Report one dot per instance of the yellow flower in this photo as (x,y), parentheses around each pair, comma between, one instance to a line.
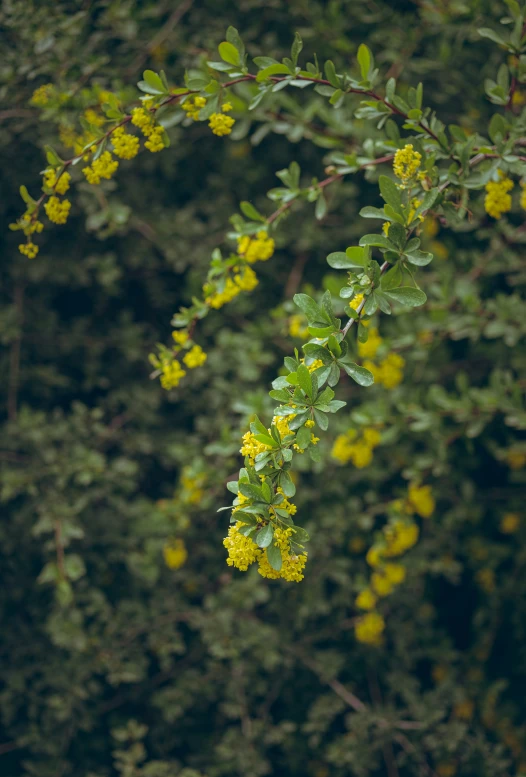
(523,195)
(510,523)
(516,459)
(175,554)
(42,95)
(369,629)
(172,373)
(29,249)
(388,372)
(155,140)
(374,341)
(256,249)
(385,228)
(226,107)
(61,186)
(366,600)
(298,326)
(142,119)
(93,117)
(251,447)
(374,556)
(103,167)
(400,536)
(395,573)
(195,357)
(221,124)
(125,146)
(180,337)
(242,551)
(154,132)
(381,584)
(372,437)
(497,200)
(421,499)
(57,210)
(247,280)
(406,163)
(192,106)
(309,424)
(356,301)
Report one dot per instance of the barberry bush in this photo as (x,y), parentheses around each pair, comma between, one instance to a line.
(390,642)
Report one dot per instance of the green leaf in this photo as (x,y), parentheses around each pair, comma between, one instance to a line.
(303,437)
(330,72)
(274,557)
(376,240)
(233,37)
(308,306)
(364,60)
(305,380)
(297,46)
(321,207)
(265,536)
(229,53)
(251,491)
(266,440)
(250,211)
(486,32)
(321,419)
(408,296)
(272,70)
(372,213)
(392,278)
(390,193)
(359,374)
(155,82)
(285,481)
(232,486)
(419,258)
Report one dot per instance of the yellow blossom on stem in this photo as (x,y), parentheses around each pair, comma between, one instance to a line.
(374,341)
(497,200)
(400,536)
(29,249)
(42,95)
(61,186)
(406,163)
(192,106)
(57,211)
(175,554)
(256,249)
(366,600)
(195,357)
(221,124)
(369,629)
(246,280)
(125,146)
(172,373)
(381,584)
(180,337)
(242,551)
(421,499)
(103,167)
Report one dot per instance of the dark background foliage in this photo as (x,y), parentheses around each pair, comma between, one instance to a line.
(136,669)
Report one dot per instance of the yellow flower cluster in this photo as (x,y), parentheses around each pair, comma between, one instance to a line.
(192,106)
(251,447)
(92,117)
(172,372)
(154,132)
(510,523)
(421,500)
(180,337)
(246,279)
(29,249)
(175,553)
(369,629)
(42,95)
(298,326)
(256,249)
(220,123)
(61,185)
(497,200)
(388,372)
(242,552)
(374,341)
(125,146)
(191,487)
(57,211)
(103,167)
(406,163)
(195,357)
(360,451)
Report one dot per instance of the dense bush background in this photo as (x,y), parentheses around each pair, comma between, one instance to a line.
(136,669)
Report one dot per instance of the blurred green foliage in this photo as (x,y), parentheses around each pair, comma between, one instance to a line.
(128,667)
